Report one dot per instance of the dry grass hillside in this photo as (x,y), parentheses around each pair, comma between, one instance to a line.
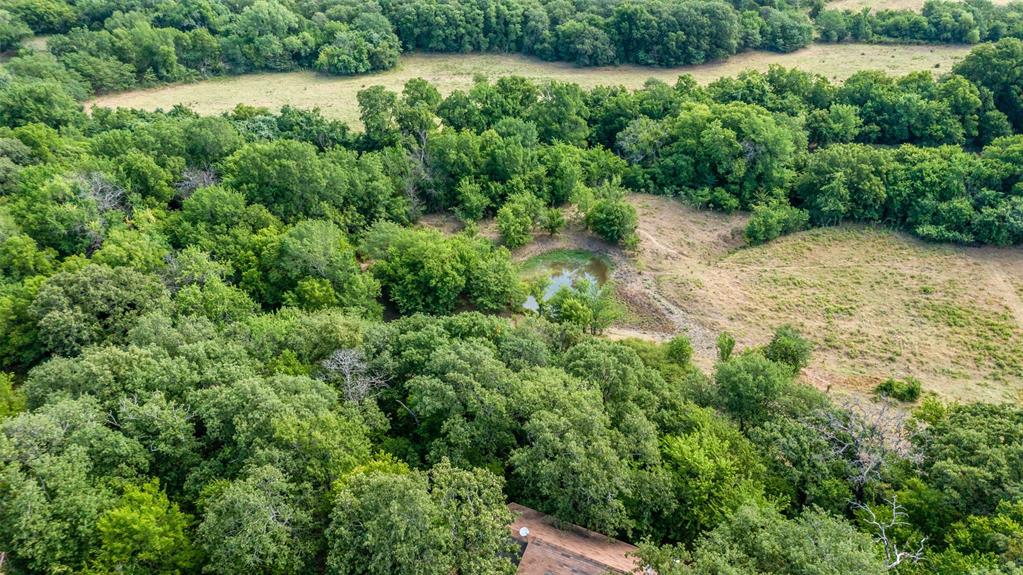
(914,5)
(877,303)
(336,96)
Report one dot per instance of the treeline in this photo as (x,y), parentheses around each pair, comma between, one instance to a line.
(791,145)
(589,33)
(316,442)
(114,46)
(940,21)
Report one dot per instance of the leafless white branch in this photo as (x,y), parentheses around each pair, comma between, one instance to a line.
(194,178)
(870,437)
(884,534)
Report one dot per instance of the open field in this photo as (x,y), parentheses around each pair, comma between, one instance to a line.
(914,5)
(336,96)
(876,303)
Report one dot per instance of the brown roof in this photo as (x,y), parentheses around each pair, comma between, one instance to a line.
(566,549)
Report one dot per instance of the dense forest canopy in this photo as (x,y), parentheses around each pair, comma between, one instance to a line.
(196,374)
(116,45)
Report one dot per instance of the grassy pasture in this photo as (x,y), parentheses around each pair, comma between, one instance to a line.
(914,5)
(336,96)
(877,303)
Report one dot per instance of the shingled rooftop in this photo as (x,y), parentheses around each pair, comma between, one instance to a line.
(553,548)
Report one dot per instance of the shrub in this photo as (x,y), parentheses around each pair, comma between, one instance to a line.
(770,221)
(680,350)
(725,344)
(789,347)
(907,390)
(614,220)
(516,218)
(552,221)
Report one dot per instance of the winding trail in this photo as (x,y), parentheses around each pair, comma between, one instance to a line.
(1006,291)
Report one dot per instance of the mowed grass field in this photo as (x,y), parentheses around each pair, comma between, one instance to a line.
(876,303)
(336,96)
(914,5)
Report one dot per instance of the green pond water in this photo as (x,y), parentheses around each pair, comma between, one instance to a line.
(562,274)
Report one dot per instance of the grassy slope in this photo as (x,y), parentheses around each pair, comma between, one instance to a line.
(876,302)
(336,96)
(914,5)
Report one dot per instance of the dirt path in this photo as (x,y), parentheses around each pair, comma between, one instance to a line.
(657,244)
(1003,288)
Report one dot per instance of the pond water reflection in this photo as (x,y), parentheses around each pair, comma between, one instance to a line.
(562,274)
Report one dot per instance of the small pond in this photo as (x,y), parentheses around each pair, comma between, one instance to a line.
(563,273)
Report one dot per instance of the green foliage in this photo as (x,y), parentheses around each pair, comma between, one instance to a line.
(679,350)
(996,67)
(907,390)
(788,347)
(586,305)
(12,31)
(37,101)
(725,345)
(769,222)
(713,472)
(759,539)
(94,304)
(552,220)
(285,176)
(12,401)
(613,220)
(422,271)
(750,385)
(144,533)
(967,453)
(402,521)
(256,524)
(517,218)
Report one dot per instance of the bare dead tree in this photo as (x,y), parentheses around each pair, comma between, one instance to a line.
(95,186)
(869,437)
(884,534)
(193,179)
(349,370)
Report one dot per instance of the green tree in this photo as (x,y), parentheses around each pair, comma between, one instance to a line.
(94,304)
(570,466)
(749,386)
(768,222)
(789,347)
(57,464)
(758,539)
(144,533)
(12,401)
(378,109)
(419,269)
(256,524)
(560,114)
(679,350)
(996,67)
(552,221)
(285,176)
(517,218)
(12,31)
(38,101)
(614,220)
